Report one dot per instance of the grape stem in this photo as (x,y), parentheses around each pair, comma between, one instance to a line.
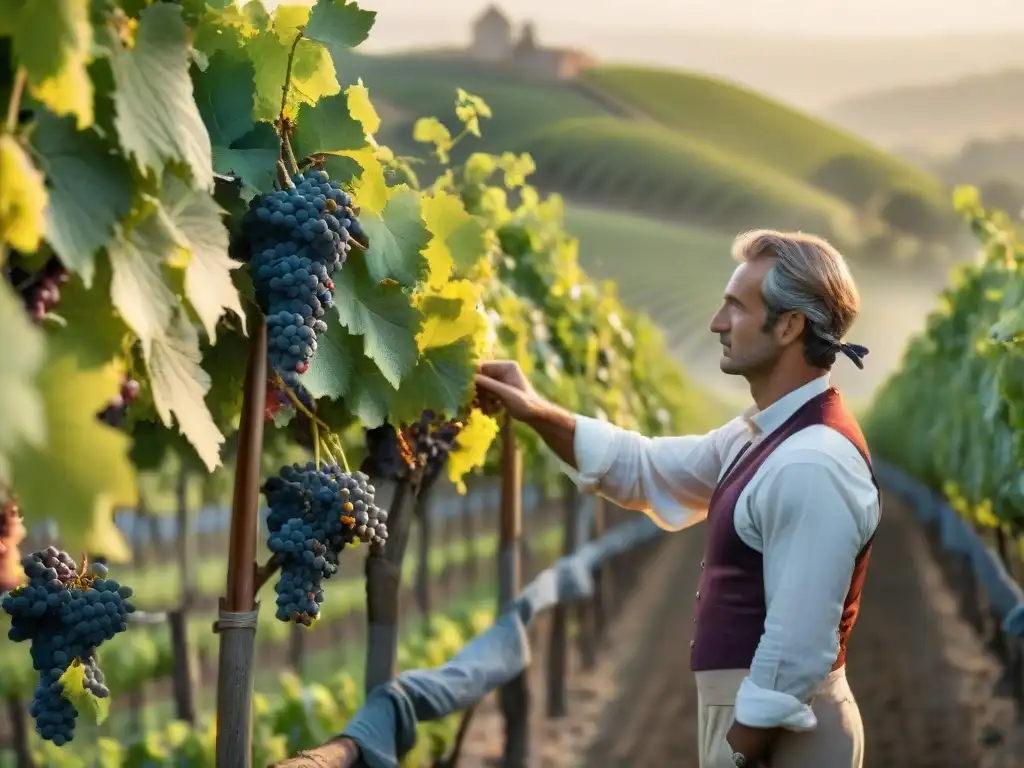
(283,124)
(265,571)
(330,440)
(14,103)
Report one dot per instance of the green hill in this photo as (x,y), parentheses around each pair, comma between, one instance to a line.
(648,168)
(413,86)
(751,125)
(680,146)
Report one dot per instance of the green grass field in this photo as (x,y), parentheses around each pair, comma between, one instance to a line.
(677,274)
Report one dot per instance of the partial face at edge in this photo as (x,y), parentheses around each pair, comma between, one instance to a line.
(746,348)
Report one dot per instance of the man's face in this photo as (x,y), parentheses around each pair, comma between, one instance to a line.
(746,348)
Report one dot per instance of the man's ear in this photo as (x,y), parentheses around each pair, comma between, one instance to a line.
(791,328)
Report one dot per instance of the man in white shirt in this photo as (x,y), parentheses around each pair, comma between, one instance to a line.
(790,500)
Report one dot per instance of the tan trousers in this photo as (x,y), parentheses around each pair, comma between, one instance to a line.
(837,742)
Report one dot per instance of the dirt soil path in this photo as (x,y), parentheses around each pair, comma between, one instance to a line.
(922,677)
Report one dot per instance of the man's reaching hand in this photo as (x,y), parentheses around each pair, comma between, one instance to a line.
(502,383)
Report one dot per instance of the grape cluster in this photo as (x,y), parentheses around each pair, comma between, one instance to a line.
(314,512)
(116,411)
(66,616)
(430,442)
(297,238)
(40,289)
(383,455)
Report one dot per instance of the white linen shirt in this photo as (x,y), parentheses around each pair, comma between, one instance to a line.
(809,510)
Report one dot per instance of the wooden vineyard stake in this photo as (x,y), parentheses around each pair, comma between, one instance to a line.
(236,623)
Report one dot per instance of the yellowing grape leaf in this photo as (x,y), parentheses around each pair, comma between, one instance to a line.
(362,108)
(459,239)
(170,345)
(371,190)
(53,41)
(22,420)
(90,190)
(397,235)
(89,457)
(22,198)
(470,449)
(157,119)
(313,75)
(381,314)
(195,220)
(450,313)
(90,708)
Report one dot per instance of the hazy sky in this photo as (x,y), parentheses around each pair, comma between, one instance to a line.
(446,19)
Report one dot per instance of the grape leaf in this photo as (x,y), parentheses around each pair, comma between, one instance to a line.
(382,315)
(21,409)
(459,239)
(170,346)
(441,381)
(195,220)
(370,190)
(330,370)
(328,127)
(22,198)
(53,41)
(89,457)
(369,396)
(397,235)
(253,157)
(339,25)
(157,118)
(94,333)
(180,386)
(450,314)
(225,94)
(361,107)
(471,446)
(227,367)
(90,190)
(312,74)
(90,708)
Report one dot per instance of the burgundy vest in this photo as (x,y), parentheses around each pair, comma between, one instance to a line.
(730,607)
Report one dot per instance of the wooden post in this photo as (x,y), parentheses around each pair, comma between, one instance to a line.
(586,634)
(238,610)
(17,714)
(514,695)
(186,671)
(558,647)
(423,563)
(383,582)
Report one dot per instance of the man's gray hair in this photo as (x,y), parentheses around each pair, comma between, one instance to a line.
(810,277)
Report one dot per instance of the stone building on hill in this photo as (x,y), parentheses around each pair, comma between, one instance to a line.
(494,40)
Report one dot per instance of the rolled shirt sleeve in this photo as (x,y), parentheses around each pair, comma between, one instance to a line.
(671,479)
(814,515)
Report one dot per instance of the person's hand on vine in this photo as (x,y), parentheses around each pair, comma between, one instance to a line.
(501,384)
